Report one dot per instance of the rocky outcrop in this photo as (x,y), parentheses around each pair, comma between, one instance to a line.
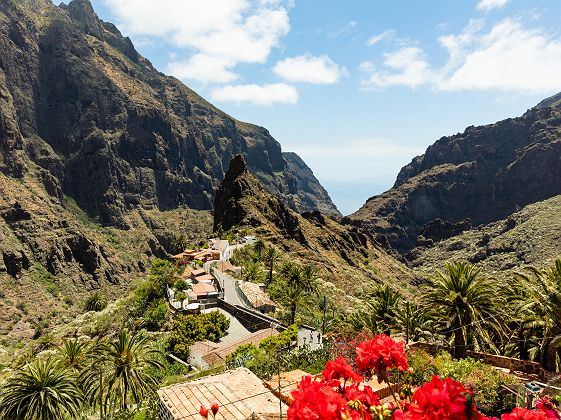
(483,174)
(344,250)
(110,131)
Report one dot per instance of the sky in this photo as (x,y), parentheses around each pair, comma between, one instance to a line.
(357,88)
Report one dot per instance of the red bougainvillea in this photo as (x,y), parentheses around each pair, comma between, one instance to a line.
(381,354)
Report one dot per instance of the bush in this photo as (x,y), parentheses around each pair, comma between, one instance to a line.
(280,341)
(483,378)
(188,329)
(95,302)
(181,285)
(155,315)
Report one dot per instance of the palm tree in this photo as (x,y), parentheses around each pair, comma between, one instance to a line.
(383,304)
(119,374)
(467,304)
(180,243)
(293,296)
(95,302)
(414,322)
(42,390)
(543,288)
(252,272)
(271,256)
(73,354)
(259,246)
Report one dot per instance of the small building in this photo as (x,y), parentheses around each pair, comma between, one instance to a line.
(239,393)
(220,245)
(256,297)
(228,267)
(204,291)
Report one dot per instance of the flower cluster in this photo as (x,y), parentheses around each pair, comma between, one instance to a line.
(380,355)
(340,394)
(203,411)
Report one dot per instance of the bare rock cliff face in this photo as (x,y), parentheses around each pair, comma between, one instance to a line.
(479,176)
(109,130)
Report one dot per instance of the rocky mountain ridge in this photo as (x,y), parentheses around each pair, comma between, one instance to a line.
(352,255)
(476,177)
(111,131)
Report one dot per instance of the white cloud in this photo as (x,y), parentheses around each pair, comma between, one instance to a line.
(267,94)
(375,39)
(490,4)
(222,33)
(308,68)
(508,57)
(406,66)
(203,68)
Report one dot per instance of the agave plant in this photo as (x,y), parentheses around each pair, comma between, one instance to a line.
(95,302)
(42,390)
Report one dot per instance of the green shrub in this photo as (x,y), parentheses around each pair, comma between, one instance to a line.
(181,285)
(22,307)
(280,341)
(155,315)
(53,289)
(95,302)
(68,300)
(188,329)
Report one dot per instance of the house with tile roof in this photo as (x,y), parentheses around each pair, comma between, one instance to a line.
(239,393)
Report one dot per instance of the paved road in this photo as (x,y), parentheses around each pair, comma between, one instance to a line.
(228,283)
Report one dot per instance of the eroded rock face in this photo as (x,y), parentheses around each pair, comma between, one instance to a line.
(483,174)
(77,99)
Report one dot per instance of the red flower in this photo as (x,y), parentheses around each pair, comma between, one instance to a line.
(203,412)
(214,409)
(366,395)
(381,354)
(547,406)
(339,369)
(441,399)
(524,414)
(315,400)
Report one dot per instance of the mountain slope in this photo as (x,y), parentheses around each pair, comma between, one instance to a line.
(120,134)
(350,254)
(530,236)
(481,175)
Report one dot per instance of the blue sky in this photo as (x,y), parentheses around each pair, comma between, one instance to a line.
(357,88)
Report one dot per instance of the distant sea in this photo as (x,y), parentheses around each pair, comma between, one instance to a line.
(350,196)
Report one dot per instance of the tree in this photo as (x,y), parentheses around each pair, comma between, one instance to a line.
(73,354)
(42,390)
(466,302)
(259,246)
(252,272)
(270,258)
(383,303)
(180,243)
(95,302)
(414,322)
(293,296)
(119,373)
(543,301)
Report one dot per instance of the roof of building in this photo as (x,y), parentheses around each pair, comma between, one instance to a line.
(256,296)
(239,394)
(187,271)
(198,272)
(219,244)
(203,288)
(224,266)
(218,354)
(288,382)
(205,278)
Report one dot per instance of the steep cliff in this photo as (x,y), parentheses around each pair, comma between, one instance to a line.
(479,176)
(120,135)
(351,254)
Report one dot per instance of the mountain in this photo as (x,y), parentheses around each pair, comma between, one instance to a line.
(112,132)
(104,161)
(352,256)
(476,177)
(530,236)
